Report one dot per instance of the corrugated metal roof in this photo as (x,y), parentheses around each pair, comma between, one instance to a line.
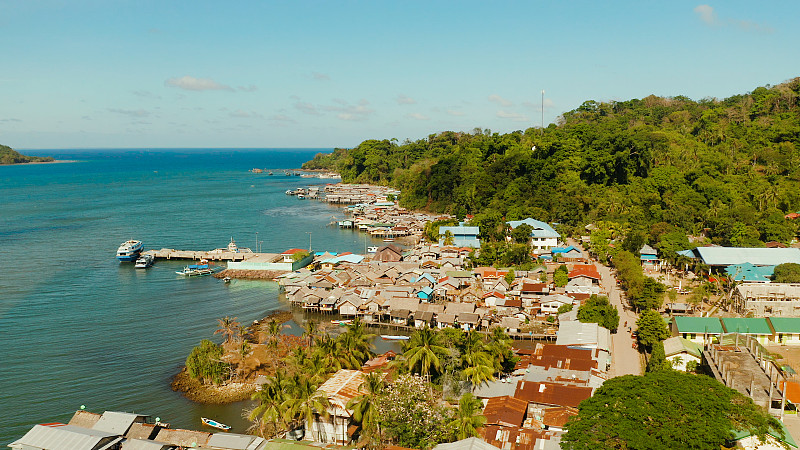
(144,444)
(60,436)
(785,324)
(233,441)
(725,256)
(745,325)
(505,410)
(698,325)
(467,444)
(117,422)
(540,229)
(343,386)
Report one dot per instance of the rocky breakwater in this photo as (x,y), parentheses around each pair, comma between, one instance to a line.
(250,274)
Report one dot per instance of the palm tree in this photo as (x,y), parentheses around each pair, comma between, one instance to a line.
(479,374)
(423,351)
(326,348)
(353,347)
(468,417)
(227,327)
(274,329)
(312,327)
(303,401)
(270,408)
(365,409)
(243,350)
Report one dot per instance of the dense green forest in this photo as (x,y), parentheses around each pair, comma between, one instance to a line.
(11,156)
(726,170)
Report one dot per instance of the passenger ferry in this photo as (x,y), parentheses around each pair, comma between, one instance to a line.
(129,250)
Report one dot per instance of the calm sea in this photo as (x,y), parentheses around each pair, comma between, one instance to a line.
(79,328)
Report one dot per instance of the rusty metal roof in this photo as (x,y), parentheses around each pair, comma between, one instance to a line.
(505,410)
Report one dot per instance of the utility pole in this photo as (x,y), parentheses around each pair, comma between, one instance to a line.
(542,112)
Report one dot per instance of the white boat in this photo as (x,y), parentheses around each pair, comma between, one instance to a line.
(129,250)
(392,337)
(226,280)
(372,249)
(145,261)
(213,423)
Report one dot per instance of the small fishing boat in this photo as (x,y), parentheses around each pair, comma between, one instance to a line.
(388,240)
(226,280)
(392,337)
(341,322)
(196,270)
(213,423)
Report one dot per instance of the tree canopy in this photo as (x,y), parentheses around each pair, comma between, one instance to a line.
(11,156)
(786,273)
(728,168)
(599,310)
(664,409)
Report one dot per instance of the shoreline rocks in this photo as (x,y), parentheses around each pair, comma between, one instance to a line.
(211,394)
(250,274)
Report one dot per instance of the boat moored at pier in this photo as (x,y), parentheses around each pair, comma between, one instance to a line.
(129,250)
(145,261)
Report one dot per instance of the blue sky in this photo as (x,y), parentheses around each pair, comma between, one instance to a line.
(113,73)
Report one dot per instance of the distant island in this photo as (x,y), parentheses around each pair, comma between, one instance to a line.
(10,156)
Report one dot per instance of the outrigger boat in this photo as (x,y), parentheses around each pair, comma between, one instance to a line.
(195,270)
(213,423)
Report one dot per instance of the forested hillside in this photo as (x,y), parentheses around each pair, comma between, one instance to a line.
(729,169)
(11,156)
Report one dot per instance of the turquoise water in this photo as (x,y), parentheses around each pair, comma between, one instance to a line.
(79,328)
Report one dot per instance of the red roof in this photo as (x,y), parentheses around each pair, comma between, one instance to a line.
(584,270)
(533,287)
(505,410)
(552,393)
(558,416)
(292,251)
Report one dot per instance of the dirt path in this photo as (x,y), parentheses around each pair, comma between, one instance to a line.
(626,360)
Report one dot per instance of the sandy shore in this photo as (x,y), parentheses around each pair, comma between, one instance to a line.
(209,393)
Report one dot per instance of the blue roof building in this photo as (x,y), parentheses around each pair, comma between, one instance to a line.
(540,229)
(463,236)
(543,236)
(749,273)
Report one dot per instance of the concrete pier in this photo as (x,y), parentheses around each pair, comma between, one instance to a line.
(211,255)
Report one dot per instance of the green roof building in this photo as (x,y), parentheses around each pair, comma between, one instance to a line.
(756,327)
(695,328)
(787,330)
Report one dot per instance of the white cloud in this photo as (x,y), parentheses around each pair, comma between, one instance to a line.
(147,94)
(548,104)
(455,112)
(130,112)
(360,111)
(250,88)
(307,108)
(494,98)
(706,14)
(405,100)
(282,118)
(240,114)
(417,116)
(516,117)
(321,76)
(190,83)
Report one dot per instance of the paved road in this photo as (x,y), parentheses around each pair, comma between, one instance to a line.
(625,359)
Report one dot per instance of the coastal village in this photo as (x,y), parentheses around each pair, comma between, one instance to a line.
(410,283)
